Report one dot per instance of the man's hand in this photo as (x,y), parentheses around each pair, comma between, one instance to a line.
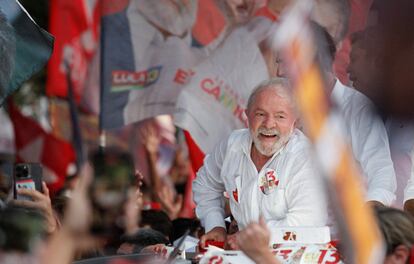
(41,202)
(158,249)
(216,234)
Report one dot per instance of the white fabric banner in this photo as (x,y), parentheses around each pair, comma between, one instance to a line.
(144,66)
(158,63)
(212,104)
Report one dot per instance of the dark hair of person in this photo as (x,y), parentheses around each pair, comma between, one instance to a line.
(144,237)
(182,224)
(20,229)
(157,220)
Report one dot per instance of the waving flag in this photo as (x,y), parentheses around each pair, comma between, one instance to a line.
(24,46)
(294,38)
(34,144)
(75,26)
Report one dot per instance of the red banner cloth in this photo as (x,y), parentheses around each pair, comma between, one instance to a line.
(34,144)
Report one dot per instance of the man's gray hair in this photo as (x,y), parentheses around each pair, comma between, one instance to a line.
(280,85)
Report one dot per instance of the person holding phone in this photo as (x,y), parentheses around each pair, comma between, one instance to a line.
(32,193)
(39,201)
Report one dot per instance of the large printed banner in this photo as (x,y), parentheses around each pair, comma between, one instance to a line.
(147,54)
(212,104)
(25,47)
(153,65)
(150,49)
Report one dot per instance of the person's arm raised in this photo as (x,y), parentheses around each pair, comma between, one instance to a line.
(74,233)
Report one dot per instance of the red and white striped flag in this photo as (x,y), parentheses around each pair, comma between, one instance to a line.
(34,144)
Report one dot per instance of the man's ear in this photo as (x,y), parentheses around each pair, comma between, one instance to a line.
(298,124)
(401,254)
(245,117)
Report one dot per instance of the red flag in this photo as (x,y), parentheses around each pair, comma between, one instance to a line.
(187,211)
(195,153)
(196,158)
(33,144)
(75,26)
(210,22)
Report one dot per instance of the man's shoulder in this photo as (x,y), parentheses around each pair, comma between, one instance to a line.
(297,152)
(298,143)
(240,133)
(239,137)
(351,96)
(353,105)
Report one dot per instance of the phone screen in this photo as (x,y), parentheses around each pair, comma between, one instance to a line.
(27,176)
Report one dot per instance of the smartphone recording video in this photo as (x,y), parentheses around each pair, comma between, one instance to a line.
(27,176)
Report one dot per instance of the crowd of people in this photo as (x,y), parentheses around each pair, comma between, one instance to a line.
(258,178)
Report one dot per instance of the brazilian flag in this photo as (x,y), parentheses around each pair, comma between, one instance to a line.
(24,47)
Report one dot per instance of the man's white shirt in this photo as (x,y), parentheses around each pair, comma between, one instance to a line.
(296,198)
(409,189)
(401,137)
(368,138)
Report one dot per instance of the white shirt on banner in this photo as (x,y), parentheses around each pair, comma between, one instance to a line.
(295,197)
(154,85)
(212,104)
(366,133)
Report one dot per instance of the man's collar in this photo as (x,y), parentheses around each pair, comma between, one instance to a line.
(337,92)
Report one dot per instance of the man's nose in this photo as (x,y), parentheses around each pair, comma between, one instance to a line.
(270,122)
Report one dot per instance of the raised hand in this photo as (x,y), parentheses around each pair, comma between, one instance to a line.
(170,202)
(133,206)
(149,137)
(41,202)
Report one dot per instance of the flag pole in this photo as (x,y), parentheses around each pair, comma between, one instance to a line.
(102,132)
(76,133)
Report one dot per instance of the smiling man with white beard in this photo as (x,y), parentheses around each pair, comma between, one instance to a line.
(266,170)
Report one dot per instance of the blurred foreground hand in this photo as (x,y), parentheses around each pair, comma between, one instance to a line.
(254,242)
(74,233)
